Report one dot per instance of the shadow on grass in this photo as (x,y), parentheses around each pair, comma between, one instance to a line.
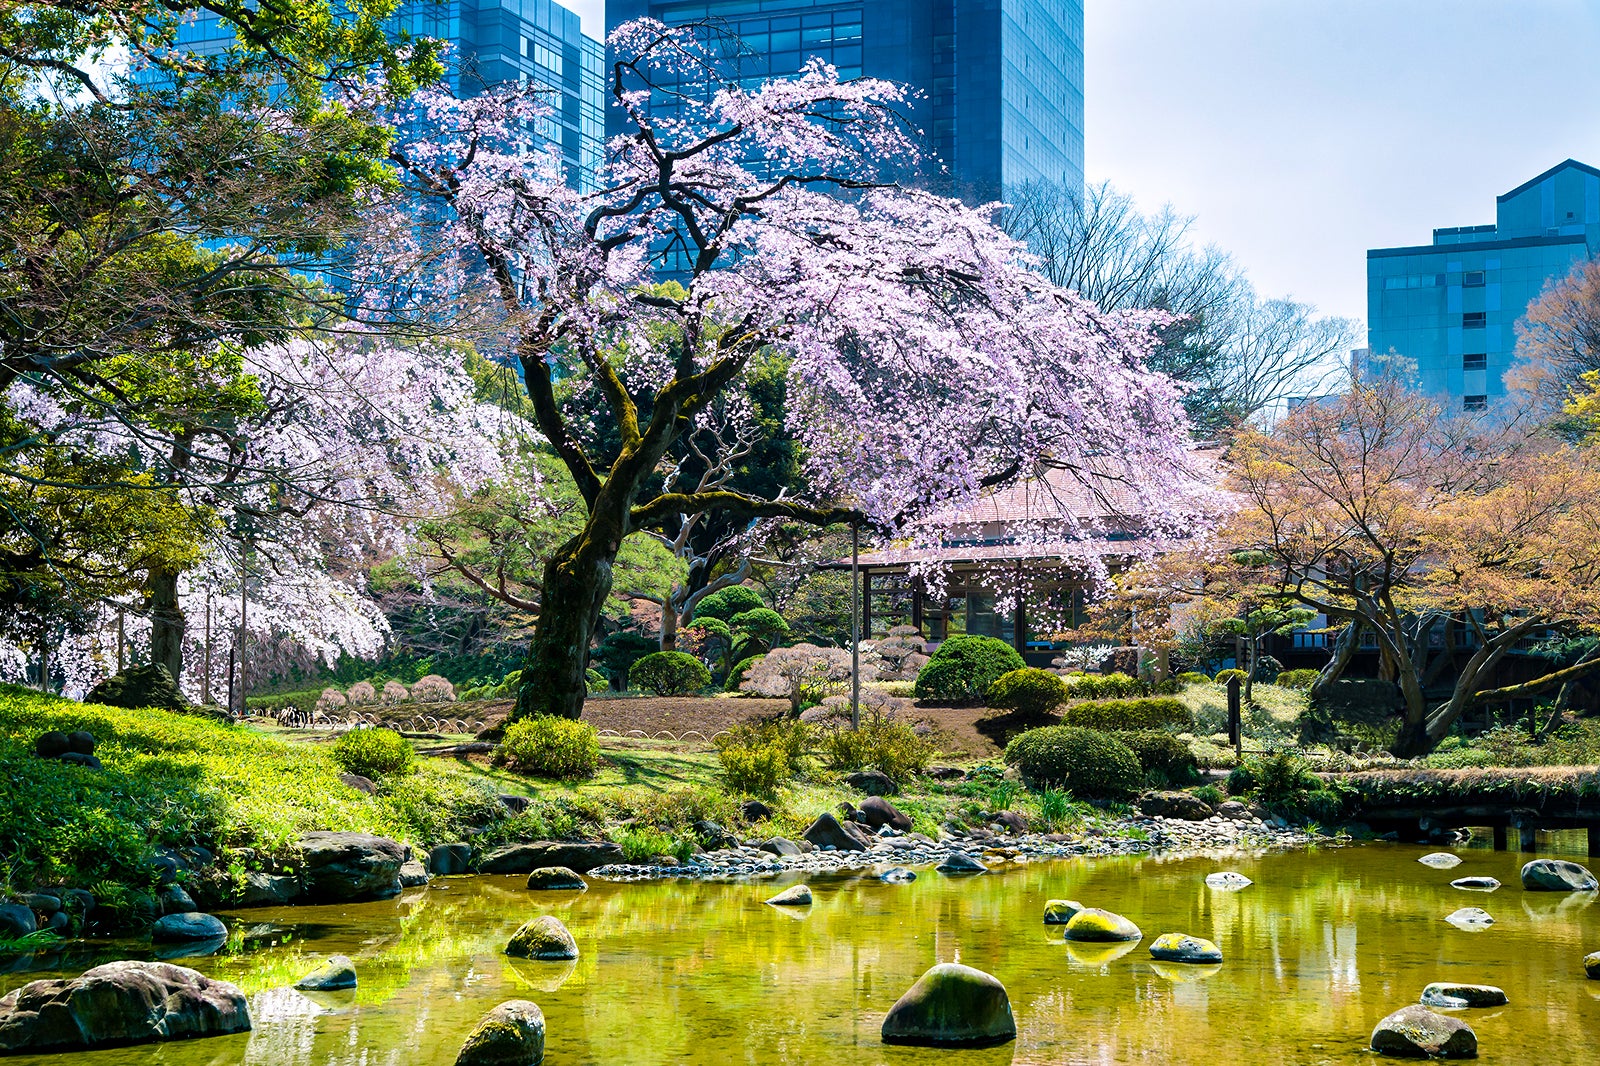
(1001,728)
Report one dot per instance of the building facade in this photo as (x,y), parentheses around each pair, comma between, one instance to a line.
(494,42)
(1452,306)
(1000,81)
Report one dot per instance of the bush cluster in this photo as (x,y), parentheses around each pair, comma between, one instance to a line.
(1193,677)
(374,753)
(1164,754)
(963,668)
(893,747)
(1106,686)
(1224,676)
(1088,763)
(757,759)
(547,746)
(1029,691)
(1152,712)
(670,673)
(1301,679)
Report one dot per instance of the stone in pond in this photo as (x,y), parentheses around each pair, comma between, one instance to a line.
(120,1003)
(952,1006)
(1093,925)
(898,875)
(1441,860)
(1229,880)
(1417,1032)
(338,972)
(510,1035)
(450,859)
(556,878)
(1448,994)
(826,832)
(1476,884)
(190,925)
(1591,965)
(543,938)
(17,921)
(793,896)
(1470,918)
(1557,875)
(343,867)
(959,862)
(1181,947)
(1060,911)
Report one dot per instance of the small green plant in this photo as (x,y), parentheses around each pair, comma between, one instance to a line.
(1056,810)
(1088,763)
(1030,692)
(1209,794)
(893,747)
(38,940)
(963,668)
(1298,679)
(1003,794)
(757,769)
(670,673)
(374,753)
(1151,712)
(642,843)
(547,746)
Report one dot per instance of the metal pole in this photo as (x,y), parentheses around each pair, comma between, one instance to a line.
(120,642)
(205,675)
(855,624)
(244,617)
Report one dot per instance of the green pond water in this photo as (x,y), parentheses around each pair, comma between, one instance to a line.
(1324,944)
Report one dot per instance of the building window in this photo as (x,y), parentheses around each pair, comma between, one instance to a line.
(1473,320)
(1475,361)
(1472,279)
(1475,403)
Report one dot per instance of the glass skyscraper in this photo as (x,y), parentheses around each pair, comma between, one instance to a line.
(1452,306)
(1001,80)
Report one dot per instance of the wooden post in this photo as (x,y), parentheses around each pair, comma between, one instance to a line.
(1019,623)
(1525,839)
(855,624)
(1235,720)
(916,607)
(1499,838)
(1594,840)
(205,676)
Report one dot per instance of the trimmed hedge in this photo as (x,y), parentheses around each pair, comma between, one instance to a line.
(670,673)
(1029,691)
(963,668)
(1152,712)
(547,746)
(1224,676)
(1088,763)
(1111,686)
(1162,753)
(1298,678)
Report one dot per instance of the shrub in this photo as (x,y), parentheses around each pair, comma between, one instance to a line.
(373,753)
(1193,677)
(1301,679)
(725,603)
(1224,676)
(757,770)
(394,692)
(803,674)
(362,692)
(1322,806)
(641,843)
(1267,668)
(1106,687)
(1152,712)
(547,746)
(1241,779)
(331,700)
(432,689)
(593,679)
(1164,754)
(670,673)
(1209,794)
(616,655)
(963,668)
(1088,763)
(1281,781)
(740,671)
(1029,691)
(892,747)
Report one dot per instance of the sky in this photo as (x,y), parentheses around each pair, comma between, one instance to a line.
(1300,133)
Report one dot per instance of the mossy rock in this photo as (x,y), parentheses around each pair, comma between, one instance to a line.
(511,1034)
(1417,1032)
(543,938)
(793,896)
(147,685)
(1096,926)
(556,879)
(1452,995)
(952,1006)
(335,974)
(1181,947)
(1060,911)
(1591,965)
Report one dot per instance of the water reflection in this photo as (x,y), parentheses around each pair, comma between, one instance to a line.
(1321,946)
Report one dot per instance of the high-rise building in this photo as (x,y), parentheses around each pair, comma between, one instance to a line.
(1001,80)
(1452,306)
(493,42)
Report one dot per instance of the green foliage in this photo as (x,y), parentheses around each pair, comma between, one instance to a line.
(1029,691)
(1152,712)
(727,602)
(642,843)
(1224,676)
(547,746)
(737,674)
(1162,753)
(1283,782)
(1193,677)
(1297,679)
(374,753)
(963,668)
(595,680)
(1209,794)
(617,653)
(760,626)
(1113,686)
(1055,809)
(1242,780)
(670,673)
(674,809)
(755,770)
(880,744)
(1088,763)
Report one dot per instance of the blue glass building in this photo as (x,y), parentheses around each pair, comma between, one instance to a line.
(496,41)
(1452,306)
(1001,80)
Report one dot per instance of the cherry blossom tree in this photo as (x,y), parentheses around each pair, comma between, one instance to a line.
(928,360)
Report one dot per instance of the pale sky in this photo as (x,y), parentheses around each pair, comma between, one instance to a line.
(1303,132)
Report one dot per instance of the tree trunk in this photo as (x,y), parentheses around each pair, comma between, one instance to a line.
(1344,650)
(166,621)
(669,619)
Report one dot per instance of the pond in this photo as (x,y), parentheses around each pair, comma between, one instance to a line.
(1324,944)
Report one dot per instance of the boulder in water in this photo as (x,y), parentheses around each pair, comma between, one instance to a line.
(1228,881)
(543,938)
(1437,993)
(511,1034)
(1591,965)
(1181,947)
(450,859)
(959,862)
(898,875)
(340,867)
(827,832)
(780,847)
(1417,1032)
(1470,918)
(1441,860)
(338,972)
(1060,911)
(1476,884)
(793,896)
(1557,875)
(188,925)
(1093,925)
(952,1006)
(120,1003)
(556,879)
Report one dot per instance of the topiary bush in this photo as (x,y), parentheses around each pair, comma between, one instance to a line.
(1163,754)
(963,668)
(1193,677)
(725,603)
(1152,712)
(1029,691)
(1224,676)
(737,675)
(670,673)
(1106,687)
(374,753)
(362,692)
(1301,679)
(432,688)
(1088,763)
(547,746)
